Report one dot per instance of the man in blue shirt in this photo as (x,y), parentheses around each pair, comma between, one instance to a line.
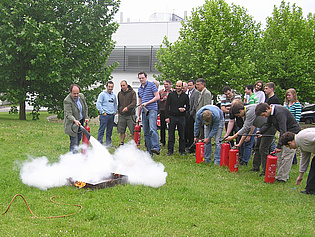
(211,118)
(107,106)
(148,96)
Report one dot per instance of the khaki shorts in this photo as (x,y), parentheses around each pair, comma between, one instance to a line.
(125,121)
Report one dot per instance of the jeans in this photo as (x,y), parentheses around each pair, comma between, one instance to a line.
(180,122)
(247,148)
(150,133)
(106,121)
(273,145)
(208,146)
(75,142)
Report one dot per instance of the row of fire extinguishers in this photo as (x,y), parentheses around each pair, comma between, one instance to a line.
(230,158)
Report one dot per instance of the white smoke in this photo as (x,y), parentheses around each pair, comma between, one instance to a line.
(93,167)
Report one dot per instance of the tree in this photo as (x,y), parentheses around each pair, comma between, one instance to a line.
(46,45)
(287,52)
(216,43)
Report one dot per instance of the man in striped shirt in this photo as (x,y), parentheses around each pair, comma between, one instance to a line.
(148,95)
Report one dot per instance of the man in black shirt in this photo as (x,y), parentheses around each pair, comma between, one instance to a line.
(177,104)
(283,120)
(270,93)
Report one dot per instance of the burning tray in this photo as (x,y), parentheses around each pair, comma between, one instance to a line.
(112,181)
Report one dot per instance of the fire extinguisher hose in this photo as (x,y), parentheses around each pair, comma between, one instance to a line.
(49,217)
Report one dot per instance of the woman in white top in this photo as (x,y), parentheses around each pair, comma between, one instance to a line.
(259,91)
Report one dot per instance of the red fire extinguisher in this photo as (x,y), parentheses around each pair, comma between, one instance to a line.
(137,134)
(271,167)
(85,140)
(200,152)
(233,160)
(224,160)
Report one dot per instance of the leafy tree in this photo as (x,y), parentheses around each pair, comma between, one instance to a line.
(216,43)
(287,52)
(46,45)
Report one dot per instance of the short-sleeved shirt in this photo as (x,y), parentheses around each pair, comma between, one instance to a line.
(228,103)
(252,99)
(146,93)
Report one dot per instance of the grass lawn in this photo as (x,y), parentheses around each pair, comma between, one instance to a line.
(197,199)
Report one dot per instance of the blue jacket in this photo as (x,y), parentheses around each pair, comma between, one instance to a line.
(217,116)
(106,103)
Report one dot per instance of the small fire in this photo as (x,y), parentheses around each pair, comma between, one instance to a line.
(79,184)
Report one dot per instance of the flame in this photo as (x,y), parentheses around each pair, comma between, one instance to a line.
(79,184)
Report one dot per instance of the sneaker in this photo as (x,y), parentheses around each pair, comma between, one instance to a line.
(280,181)
(169,154)
(254,170)
(110,145)
(183,154)
(155,151)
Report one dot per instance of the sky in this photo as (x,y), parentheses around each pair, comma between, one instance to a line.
(141,10)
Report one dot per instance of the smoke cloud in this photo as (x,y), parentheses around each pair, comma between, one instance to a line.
(93,167)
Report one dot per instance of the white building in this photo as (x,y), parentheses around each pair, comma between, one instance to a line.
(137,44)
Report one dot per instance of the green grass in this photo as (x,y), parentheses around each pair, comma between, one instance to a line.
(197,199)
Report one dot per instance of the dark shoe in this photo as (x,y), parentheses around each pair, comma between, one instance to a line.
(121,144)
(243,163)
(308,192)
(155,151)
(183,154)
(169,154)
(280,181)
(254,170)
(262,174)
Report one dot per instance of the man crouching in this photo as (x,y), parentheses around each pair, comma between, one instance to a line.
(306,141)
(211,119)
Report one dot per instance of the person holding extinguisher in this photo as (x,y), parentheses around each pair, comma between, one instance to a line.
(211,119)
(75,114)
(283,120)
(251,122)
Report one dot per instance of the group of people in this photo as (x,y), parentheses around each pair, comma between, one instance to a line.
(189,108)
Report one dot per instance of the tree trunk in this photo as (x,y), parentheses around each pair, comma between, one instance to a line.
(22,114)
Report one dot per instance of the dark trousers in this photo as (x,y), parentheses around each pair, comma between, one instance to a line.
(180,123)
(262,150)
(75,141)
(310,184)
(189,131)
(162,127)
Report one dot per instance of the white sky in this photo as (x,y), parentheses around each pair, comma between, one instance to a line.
(141,10)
